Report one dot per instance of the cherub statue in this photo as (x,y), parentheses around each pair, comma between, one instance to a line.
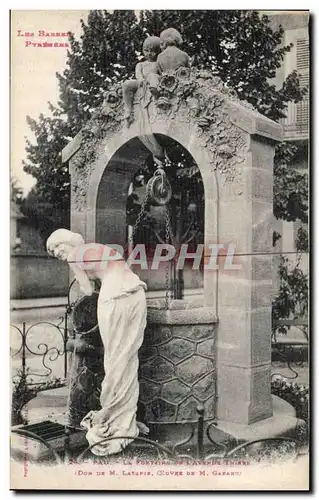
(146,72)
(172,57)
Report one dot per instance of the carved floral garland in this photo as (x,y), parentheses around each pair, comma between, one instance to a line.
(189,93)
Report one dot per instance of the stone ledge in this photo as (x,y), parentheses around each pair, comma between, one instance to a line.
(254,123)
(200,315)
(176,304)
(72,147)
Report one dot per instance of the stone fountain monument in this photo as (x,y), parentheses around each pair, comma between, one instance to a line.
(214,351)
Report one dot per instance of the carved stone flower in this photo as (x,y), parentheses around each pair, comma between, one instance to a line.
(174,103)
(95,130)
(215,101)
(204,122)
(217,83)
(230,92)
(225,151)
(168,83)
(183,73)
(111,98)
(163,103)
(193,105)
(119,91)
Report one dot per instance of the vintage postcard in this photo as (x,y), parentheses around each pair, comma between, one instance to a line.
(159,250)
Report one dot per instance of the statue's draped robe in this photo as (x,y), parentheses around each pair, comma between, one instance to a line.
(122,321)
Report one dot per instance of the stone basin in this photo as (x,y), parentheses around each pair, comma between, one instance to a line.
(177,362)
(177,369)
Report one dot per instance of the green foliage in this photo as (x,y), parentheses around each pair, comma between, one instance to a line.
(16,191)
(302,243)
(290,185)
(297,395)
(24,390)
(47,204)
(44,158)
(21,395)
(292,298)
(106,53)
(291,204)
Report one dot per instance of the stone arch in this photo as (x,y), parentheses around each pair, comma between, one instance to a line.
(123,155)
(110,179)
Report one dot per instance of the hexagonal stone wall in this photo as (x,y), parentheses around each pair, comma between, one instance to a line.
(177,349)
(192,369)
(157,370)
(174,391)
(177,372)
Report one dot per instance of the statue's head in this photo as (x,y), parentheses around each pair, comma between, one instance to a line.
(61,243)
(170,36)
(151,47)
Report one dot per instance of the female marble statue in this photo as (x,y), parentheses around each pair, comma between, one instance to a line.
(122,320)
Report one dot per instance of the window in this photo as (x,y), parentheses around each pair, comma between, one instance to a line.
(302,49)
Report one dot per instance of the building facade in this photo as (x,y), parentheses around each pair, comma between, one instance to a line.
(33,274)
(296,125)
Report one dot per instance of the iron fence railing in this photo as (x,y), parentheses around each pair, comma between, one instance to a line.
(293,353)
(48,353)
(29,348)
(283,348)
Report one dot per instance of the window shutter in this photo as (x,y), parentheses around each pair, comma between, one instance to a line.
(303,70)
(303,55)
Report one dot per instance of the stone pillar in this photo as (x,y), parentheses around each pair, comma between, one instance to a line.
(245,294)
(78,202)
(111,208)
